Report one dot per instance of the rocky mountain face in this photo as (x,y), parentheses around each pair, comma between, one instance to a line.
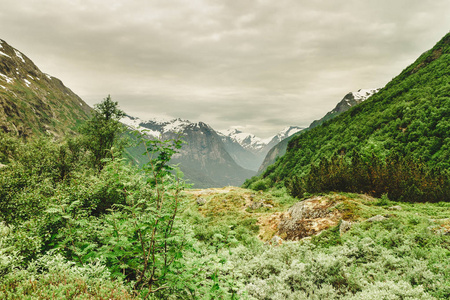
(35,103)
(248,150)
(204,160)
(211,158)
(349,100)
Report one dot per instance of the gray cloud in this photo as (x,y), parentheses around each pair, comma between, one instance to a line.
(257,64)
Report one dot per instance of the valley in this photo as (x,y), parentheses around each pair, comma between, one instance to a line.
(356,206)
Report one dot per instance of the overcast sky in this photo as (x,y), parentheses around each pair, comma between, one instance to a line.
(254,65)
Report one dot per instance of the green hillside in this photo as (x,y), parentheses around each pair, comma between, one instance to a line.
(33,103)
(408,117)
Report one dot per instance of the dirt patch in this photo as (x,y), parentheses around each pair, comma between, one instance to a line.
(268,225)
(210,191)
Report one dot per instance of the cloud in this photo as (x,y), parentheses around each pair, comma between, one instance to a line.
(257,64)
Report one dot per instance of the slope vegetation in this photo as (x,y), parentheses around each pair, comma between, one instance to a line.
(34,103)
(349,100)
(409,117)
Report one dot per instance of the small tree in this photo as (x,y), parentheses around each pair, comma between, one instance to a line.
(102,131)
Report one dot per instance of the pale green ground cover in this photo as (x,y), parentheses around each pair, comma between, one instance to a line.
(405,256)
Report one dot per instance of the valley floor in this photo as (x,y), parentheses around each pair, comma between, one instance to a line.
(331,246)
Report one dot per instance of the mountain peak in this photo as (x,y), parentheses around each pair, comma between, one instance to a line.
(349,100)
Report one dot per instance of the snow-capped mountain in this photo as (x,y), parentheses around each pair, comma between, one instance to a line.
(158,127)
(255,144)
(247,140)
(209,150)
(285,133)
(203,159)
(249,150)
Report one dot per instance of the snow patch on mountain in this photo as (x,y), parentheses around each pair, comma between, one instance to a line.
(363,94)
(176,125)
(4,54)
(135,124)
(19,55)
(158,127)
(6,78)
(246,140)
(287,132)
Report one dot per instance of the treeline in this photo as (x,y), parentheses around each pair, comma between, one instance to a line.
(400,178)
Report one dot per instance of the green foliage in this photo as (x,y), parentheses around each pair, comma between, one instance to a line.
(54,198)
(399,178)
(328,238)
(53,277)
(259,185)
(102,130)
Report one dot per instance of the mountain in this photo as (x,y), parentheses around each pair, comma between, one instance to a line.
(409,117)
(204,159)
(35,103)
(248,141)
(248,150)
(242,156)
(349,100)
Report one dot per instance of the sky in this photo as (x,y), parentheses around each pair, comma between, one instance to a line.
(254,65)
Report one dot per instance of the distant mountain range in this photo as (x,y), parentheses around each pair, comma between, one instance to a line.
(248,150)
(210,158)
(35,103)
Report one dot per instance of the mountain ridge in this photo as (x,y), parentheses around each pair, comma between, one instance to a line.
(203,159)
(35,103)
(350,99)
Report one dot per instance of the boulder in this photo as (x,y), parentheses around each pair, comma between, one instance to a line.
(308,217)
(276,241)
(201,201)
(344,227)
(395,207)
(376,218)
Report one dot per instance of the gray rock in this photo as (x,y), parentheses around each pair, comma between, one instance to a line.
(256,205)
(376,218)
(276,241)
(395,207)
(344,227)
(201,201)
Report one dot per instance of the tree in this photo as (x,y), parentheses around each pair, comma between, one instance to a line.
(102,131)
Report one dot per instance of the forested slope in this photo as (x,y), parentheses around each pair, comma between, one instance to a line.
(409,117)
